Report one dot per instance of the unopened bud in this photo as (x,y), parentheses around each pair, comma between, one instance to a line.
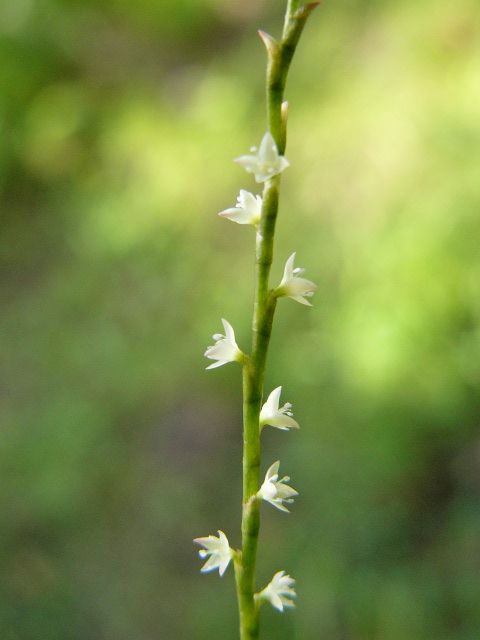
(270,43)
(306,9)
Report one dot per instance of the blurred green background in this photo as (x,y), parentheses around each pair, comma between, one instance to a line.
(118,124)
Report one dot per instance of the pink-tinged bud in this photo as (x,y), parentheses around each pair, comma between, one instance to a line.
(269,41)
(307,9)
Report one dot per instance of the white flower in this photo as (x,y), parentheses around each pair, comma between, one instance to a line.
(225,348)
(274,490)
(219,551)
(247,210)
(277,417)
(279,591)
(294,287)
(267,162)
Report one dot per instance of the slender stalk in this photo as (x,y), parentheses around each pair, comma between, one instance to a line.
(280,55)
(292,6)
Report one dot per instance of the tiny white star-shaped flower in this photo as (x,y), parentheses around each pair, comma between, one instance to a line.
(247,210)
(293,286)
(279,591)
(276,491)
(275,416)
(225,348)
(217,550)
(266,162)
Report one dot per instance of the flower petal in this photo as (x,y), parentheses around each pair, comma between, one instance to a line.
(288,270)
(276,601)
(268,151)
(248,162)
(279,506)
(214,365)
(210,565)
(281,421)
(273,470)
(299,287)
(273,400)
(229,332)
(301,300)
(236,214)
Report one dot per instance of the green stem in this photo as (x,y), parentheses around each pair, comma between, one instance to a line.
(292,6)
(280,57)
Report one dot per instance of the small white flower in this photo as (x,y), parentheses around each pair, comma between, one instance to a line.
(274,490)
(271,414)
(293,286)
(267,162)
(219,551)
(279,591)
(225,348)
(247,210)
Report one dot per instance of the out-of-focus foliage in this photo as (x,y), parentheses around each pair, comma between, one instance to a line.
(118,123)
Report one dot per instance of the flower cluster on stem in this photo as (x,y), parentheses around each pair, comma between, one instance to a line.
(266,163)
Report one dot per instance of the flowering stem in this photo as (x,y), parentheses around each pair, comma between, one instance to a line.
(280,55)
